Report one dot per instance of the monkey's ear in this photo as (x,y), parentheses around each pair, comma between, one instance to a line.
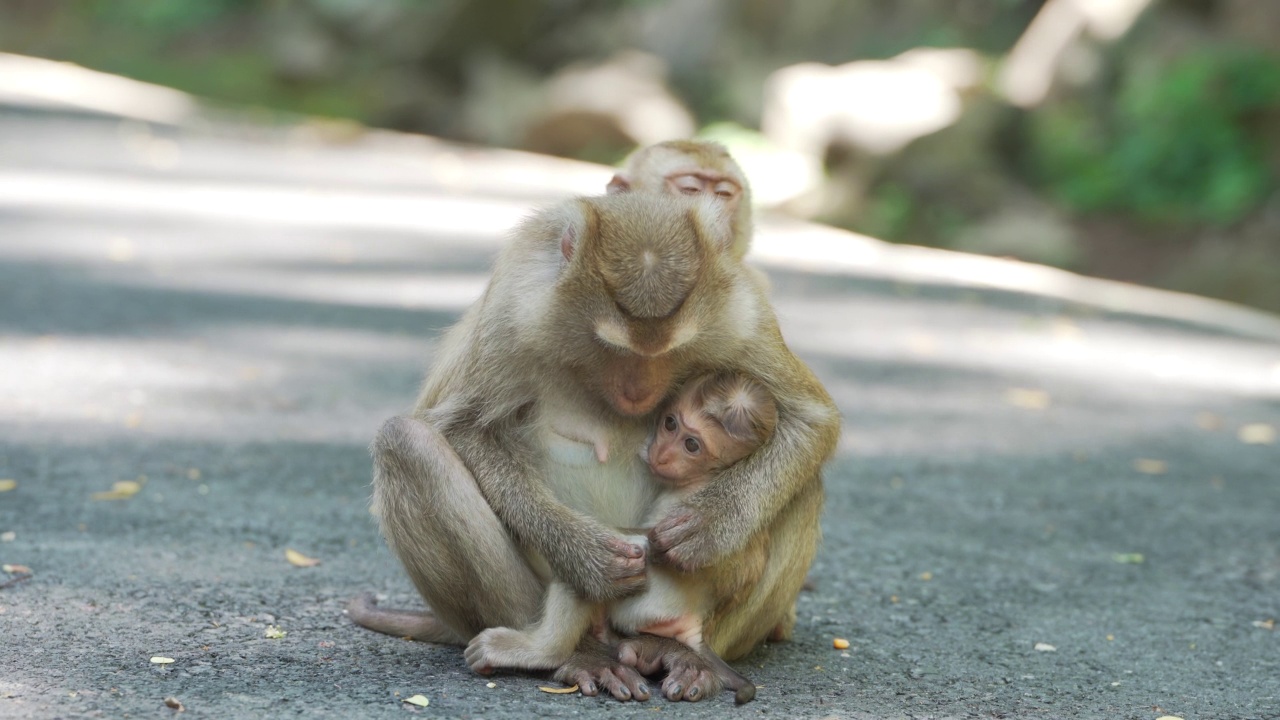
(568,241)
(619,184)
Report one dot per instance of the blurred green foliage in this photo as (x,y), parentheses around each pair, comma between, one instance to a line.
(1187,142)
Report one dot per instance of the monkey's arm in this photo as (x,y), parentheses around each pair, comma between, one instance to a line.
(721,518)
(582,552)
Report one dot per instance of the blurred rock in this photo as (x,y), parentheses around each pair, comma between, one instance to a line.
(1246,272)
(1028,230)
(594,109)
(301,48)
(876,106)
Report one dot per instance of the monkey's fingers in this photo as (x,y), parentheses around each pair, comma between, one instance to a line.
(674,540)
(627,570)
(591,671)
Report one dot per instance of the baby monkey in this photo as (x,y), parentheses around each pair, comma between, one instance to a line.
(716,420)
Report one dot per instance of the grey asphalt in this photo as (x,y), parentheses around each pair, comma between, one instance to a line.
(225,312)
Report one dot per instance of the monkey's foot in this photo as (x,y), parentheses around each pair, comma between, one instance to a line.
(593,669)
(689,675)
(506,648)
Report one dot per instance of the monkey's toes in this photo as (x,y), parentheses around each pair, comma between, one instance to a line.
(690,683)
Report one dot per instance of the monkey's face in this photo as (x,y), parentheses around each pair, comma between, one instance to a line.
(637,293)
(686,445)
(685,168)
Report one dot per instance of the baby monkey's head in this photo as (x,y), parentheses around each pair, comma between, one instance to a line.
(716,420)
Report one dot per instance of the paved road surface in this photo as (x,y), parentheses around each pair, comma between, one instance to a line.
(224,314)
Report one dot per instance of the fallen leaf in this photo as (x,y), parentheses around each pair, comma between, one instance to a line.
(840,644)
(8,536)
(1268,624)
(558,691)
(1147,466)
(121,490)
(419,700)
(173,703)
(1027,398)
(274,632)
(121,250)
(1129,558)
(8,484)
(1257,434)
(1045,647)
(1208,421)
(157,660)
(491,685)
(16,569)
(297,559)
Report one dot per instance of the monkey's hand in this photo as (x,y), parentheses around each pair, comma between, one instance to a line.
(684,540)
(605,568)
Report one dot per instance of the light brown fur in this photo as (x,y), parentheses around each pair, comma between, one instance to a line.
(599,306)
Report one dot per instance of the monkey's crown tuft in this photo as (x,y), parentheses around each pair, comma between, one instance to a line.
(651,262)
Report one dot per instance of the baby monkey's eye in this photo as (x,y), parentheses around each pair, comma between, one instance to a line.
(670,423)
(692,445)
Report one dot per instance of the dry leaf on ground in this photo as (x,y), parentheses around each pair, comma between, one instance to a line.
(419,700)
(158,660)
(1257,434)
(297,559)
(8,484)
(16,569)
(274,632)
(121,490)
(1147,466)
(558,691)
(174,703)
(1045,647)
(1027,398)
(1209,421)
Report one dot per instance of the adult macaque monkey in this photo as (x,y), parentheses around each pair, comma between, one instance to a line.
(692,167)
(596,309)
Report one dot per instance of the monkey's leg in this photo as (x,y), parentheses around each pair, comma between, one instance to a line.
(454,548)
(770,606)
(544,646)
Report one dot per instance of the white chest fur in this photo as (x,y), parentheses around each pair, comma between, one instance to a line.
(618,492)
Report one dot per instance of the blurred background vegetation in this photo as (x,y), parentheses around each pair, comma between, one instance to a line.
(1132,139)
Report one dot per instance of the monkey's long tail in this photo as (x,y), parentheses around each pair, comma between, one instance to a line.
(417,624)
(744,689)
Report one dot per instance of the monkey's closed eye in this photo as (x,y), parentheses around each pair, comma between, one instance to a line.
(687,184)
(692,445)
(670,423)
(726,190)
